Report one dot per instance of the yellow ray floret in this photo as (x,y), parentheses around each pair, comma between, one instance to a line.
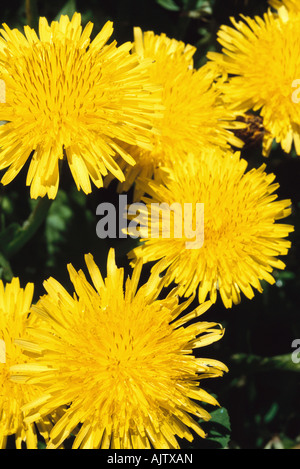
(69,98)
(292,6)
(122,359)
(260,55)
(233,245)
(194,114)
(15,304)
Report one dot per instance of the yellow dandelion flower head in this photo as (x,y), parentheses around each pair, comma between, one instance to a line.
(291,5)
(70,98)
(122,359)
(194,114)
(224,239)
(15,303)
(260,56)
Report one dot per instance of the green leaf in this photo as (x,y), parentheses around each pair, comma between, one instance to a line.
(41,445)
(218,428)
(168,5)
(68,9)
(5,269)
(204,4)
(271,413)
(254,363)
(14,237)
(31,13)
(8,234)
(57,223)
(221,416)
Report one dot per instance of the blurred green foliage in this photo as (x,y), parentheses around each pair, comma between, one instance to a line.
(260,394)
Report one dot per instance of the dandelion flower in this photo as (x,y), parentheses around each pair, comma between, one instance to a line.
(194,115)
(260,56)
(15,303)
(291,5)
(238,237)
(122,359)
(68,97)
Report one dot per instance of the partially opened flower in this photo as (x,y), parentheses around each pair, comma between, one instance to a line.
(122,359)
(194,114)
(260,56)
(69,98)
(15,303)
(223,236)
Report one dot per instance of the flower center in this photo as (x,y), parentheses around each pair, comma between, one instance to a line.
(52,86)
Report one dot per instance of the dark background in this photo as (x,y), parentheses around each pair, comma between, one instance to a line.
(260,394)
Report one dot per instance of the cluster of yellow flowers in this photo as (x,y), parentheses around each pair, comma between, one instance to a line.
(113,363)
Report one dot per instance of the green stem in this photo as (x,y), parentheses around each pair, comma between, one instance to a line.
(31,13)
(29,228)
(6,272)
(255,363)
